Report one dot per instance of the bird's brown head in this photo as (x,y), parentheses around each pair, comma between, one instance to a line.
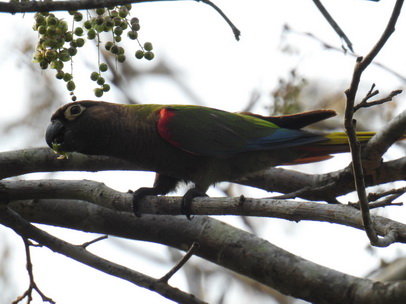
(80,126)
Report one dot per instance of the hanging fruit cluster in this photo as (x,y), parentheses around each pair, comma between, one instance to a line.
(58,44)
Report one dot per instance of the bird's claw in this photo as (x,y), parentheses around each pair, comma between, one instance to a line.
(187,199)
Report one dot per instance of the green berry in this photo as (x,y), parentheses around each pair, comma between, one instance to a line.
(62,28)
(149,55)
(51,55)
(71,85)
(123,12)
(100,28)
(98,92)
(106,87)
(51,20)
(39,18)
(94,76)
(87,24)
(132,35)
(68,37)
(72,51)
(134,20)
(109,23)
(114,49)
(148,46)
(139,54)
(67,77)
(42,29)
(78,31)
(108,45)
(100,11)
(91,34)
(124,25)
(64,55)
(78,16)
(59,74)
(99,20)
(117,38)
(121,50)
(43,64)
(121,58)
(50,30)
(135,26)
(118,31)
(56,65)
(80,42)
(103,67)
(101,81)
(59,42)
(114,13)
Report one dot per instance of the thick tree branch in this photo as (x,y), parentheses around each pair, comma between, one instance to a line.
(322,187)
(101,195)
(47,6)
(22,227)
(221,244)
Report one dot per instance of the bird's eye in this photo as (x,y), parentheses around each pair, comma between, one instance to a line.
(73,111)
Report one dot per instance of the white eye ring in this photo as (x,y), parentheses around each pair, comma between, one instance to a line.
(74,111)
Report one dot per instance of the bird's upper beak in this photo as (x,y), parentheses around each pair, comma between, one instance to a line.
(55,133)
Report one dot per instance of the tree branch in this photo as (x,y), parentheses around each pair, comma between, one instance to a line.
(220,244)
(22,227)
(103,196)
(362,64)
(333,24)
(321,187)
(48,6)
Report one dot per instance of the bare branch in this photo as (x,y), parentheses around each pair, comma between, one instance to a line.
(114,200)
(22,227)
(100,238)
(220,243)
(361,65)
(365,104)
(32,285)
(333,24)
(182,262)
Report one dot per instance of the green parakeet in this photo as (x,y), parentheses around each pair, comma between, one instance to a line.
(185,143)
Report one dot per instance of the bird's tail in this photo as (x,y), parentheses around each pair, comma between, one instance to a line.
(337,142)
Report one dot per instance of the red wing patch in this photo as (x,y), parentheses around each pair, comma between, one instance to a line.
(165,116)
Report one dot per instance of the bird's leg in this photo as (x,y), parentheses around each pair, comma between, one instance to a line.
(187,200)
(163,184)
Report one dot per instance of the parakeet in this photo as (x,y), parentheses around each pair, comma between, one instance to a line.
(187,143)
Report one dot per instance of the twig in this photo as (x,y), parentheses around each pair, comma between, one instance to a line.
(361,65)
(235,30)
(85,245)
(365,104)
(375,196)
(32,285)
(333,24)
(331,47)
(182,262)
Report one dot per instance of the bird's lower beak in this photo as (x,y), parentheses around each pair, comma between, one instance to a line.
(55,133)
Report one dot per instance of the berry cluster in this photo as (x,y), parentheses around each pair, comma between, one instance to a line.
(58,44)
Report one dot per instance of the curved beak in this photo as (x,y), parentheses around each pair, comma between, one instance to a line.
(54,133)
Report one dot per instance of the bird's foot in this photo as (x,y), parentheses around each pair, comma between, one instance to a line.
(139,195)
(187,200)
